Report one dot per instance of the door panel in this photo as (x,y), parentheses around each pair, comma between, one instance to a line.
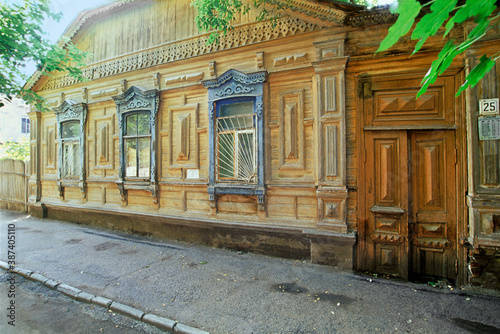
(433,208)
(387,202)
(410,203)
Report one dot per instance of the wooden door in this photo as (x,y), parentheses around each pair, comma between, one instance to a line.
(433,204)
(386,230)
(410,203)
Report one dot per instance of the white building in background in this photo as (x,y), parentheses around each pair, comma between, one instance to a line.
(14,120)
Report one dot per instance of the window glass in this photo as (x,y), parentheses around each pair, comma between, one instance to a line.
(143,124)
(144,157)
(131,125)
(131,157)
(71,159)
(226,155)
(70,129)
(236,108)
(236,142)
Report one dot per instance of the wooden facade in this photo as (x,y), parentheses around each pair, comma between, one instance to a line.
(331,157)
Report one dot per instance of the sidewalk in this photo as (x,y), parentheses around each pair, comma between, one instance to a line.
(221,291)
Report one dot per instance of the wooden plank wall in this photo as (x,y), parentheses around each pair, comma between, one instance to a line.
(149,24)
(14,185)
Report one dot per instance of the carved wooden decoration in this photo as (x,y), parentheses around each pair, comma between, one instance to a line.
(51,148)
(104,144)
(212,70)
(182,138)
(187,78)
(290,59)
(132,100)
(183,122)
(292,155)
(104,93)
(331,150)
(71,111)
(259,58)
(156,80)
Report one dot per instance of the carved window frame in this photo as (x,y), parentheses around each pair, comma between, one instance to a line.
(235,85)
(135,100)
(71,111)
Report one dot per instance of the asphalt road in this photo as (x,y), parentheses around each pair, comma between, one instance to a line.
(222,291)
(38,309)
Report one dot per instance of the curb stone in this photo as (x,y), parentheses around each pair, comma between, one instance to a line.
(79,295)
(39,278)
(126,310)
(161,323)
(68,290)
(84,297)
(183,329)
(101,301)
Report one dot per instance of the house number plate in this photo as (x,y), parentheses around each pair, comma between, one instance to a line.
(488,107)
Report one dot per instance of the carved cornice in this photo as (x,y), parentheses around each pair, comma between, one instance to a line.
(371,17)
(70,109)
(313,9)
(242,35)
(247,79)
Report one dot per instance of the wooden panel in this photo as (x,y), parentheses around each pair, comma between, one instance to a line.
(434,203)
(387,202)
(292,132)
(393,103)
(489,151)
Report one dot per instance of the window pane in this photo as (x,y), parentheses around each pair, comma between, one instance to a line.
(235,123)
(144,157)
(143,124)
(237,108)
(70,129)
(131,125)
(246,156)
(71,160)
(226,155)
(131,157)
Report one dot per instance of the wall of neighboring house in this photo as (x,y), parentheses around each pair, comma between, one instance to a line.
(14,120)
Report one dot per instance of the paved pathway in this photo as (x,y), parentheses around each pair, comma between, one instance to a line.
(221,291)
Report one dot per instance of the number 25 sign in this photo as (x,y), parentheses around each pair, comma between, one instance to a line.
(488,107)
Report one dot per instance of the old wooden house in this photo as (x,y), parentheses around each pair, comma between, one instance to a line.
(292,138)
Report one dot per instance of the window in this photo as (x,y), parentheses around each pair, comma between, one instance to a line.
(71,117)
(236,135)
(137,141)
(70,141)
(25,125)
(136,110)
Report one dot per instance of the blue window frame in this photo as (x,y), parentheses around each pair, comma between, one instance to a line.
(236,134)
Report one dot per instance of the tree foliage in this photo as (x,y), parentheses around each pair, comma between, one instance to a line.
(15,150)
(437,13)
(23,41)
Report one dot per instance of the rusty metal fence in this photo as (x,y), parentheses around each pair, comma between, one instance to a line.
(14,176)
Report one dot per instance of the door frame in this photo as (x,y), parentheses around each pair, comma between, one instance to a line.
(363,83)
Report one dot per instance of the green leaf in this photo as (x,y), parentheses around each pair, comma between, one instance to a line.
(430,23)
(472,8)
(477,73)
(408,10)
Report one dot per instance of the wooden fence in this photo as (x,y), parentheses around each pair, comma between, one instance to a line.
(14,176)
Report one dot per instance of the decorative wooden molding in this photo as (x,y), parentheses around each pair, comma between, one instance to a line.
(103,93)
(189,78)
(156,80)
(71,111)
(123,85)
(104,144)
(242,35)
(292,150)
(259,58)
(280,61)
(183,122)
(85,95)
(212,70)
